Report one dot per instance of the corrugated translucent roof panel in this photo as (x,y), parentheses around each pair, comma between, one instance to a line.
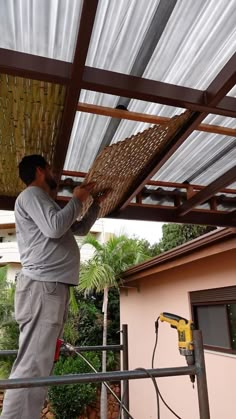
(96,98)
(88,130)
(119,30)
(41,27)
(200,159)
(232,92)
(220,120)
(198,40)
(118,33)
(128,128)
(87,133)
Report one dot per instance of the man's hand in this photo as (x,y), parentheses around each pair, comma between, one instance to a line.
(82,192)
(101,196)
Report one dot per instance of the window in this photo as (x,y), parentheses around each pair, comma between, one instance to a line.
(214,312)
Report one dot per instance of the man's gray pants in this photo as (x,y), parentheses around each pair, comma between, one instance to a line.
(40,310)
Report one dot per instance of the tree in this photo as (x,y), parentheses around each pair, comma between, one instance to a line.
(104,271)
(174,235)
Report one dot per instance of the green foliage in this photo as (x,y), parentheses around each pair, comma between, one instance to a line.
(150,249)
(3,276)
(113,361)
(7,291)
(95,276)
(85,328)
(71,331)
(73,302)
(9,335)
(69,401)
(104,271)
(177,234)
(109,261)
(8,327)
(90,323)
(174,235)
(113,335)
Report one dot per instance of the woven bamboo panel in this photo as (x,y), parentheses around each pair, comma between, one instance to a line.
(30,116)
(120,165)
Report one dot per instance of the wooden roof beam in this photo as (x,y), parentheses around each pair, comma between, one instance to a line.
(154,213)
(223,82)
(165,197)
(206,193)
(168,214)
(34,67)
(73,91)
(158,183)
(118,84)
(147,118)
(7,202)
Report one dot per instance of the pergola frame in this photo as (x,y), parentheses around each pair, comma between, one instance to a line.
(76,76)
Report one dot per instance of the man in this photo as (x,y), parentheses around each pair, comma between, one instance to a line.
(50,264)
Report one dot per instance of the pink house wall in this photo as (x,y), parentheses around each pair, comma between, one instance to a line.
(168,291)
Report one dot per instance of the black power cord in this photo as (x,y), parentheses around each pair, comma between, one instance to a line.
(156,389)
(159,395)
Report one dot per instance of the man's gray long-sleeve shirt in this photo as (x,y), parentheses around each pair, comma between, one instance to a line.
(48,249)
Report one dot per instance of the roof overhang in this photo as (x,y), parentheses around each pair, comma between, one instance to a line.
(209,244)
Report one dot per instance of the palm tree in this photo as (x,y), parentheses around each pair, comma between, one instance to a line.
(104,271)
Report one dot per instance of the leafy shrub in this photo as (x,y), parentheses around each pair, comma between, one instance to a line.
(9,334)
(69,401)
(8,327)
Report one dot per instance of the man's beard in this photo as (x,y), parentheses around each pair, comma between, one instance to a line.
(51,183)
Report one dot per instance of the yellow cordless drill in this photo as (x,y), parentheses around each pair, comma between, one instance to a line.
(185,336)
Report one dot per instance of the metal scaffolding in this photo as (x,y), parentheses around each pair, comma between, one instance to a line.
(198,369)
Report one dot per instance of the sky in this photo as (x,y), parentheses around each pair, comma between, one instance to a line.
(151,231)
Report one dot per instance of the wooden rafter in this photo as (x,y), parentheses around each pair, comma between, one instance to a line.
(157,183)
(57,71)
(7,202)
(165,197)
(7,226)
(147,118)
(73,91)
(154,91)
(34,67)
(223,82)
(161,213)
(162,195)
(168,214)
(206,193)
